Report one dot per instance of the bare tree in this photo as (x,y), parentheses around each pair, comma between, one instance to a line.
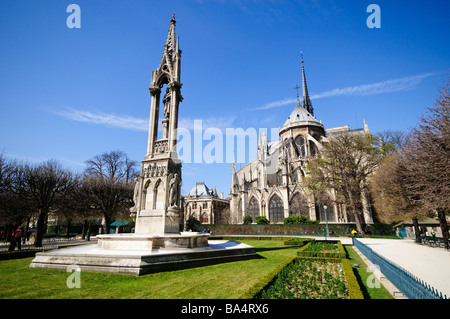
(108,184)
(114,165)
(43,184)
(346,162)
(15,209)
(387,142)
(391,198)
(427,152)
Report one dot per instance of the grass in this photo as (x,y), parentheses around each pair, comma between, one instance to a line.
(221,281)
(362,275)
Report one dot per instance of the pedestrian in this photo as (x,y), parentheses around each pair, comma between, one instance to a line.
(16,237)
(354,232)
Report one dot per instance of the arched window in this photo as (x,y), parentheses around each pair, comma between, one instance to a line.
(146,198)
(253,208)
(276,209)
(300,146)
(312,149)
(299,206)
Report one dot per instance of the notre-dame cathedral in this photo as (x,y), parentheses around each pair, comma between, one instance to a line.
(270,185)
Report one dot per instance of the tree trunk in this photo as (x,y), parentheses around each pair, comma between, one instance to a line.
(69,222)
(40,228)
(354,212)
(416,230)
(108,221)
(444,226)
(84,230)
(358,222)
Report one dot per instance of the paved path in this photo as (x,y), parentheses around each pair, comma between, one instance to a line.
(430,264)
(51,243)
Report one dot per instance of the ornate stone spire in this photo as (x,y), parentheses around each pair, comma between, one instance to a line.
(306,101)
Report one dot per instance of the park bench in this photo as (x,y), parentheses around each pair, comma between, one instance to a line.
(432,240)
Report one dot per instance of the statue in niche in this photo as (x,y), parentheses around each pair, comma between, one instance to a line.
(166,101)
(137,185)
(173,190)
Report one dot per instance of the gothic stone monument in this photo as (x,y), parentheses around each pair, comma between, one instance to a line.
(157,192)
(157,209)
(157,243)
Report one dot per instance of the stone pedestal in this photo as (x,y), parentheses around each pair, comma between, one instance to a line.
(139,262)
(152,242)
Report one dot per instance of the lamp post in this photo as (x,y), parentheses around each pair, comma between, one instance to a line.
(326,220)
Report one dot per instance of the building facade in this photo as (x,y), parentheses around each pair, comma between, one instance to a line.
(270,185)
(206,206)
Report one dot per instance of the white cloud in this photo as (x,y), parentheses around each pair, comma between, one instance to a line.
(109,120)
(139,124)
(389,86)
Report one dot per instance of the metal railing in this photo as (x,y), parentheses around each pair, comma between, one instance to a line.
(411,286)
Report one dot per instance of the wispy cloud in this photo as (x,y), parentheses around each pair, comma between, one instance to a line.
(389,86)
(109,120)
(139,124)
(220,122)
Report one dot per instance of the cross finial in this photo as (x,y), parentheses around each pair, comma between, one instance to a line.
(301,55)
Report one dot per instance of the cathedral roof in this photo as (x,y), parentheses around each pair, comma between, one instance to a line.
(300,114)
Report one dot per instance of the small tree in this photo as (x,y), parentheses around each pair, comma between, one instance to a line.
(345,164)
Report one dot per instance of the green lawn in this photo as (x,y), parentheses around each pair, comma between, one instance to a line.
(362,274)
(220,281)
(227,280)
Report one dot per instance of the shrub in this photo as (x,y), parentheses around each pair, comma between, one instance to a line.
(298,219)
(323,249)
(248,220)
(193,224)
(261,220)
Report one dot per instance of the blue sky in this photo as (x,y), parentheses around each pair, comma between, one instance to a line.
(70,94)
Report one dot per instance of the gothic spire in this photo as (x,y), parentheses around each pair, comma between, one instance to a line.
(306,101)
(171,47)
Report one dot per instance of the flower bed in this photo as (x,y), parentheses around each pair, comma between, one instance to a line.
(328,249)
(321,271)
(309,279)
(312,278)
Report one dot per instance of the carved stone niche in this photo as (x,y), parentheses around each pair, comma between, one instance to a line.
(161,146)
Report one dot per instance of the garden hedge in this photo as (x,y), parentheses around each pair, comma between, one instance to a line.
(341,254)
(354,289)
